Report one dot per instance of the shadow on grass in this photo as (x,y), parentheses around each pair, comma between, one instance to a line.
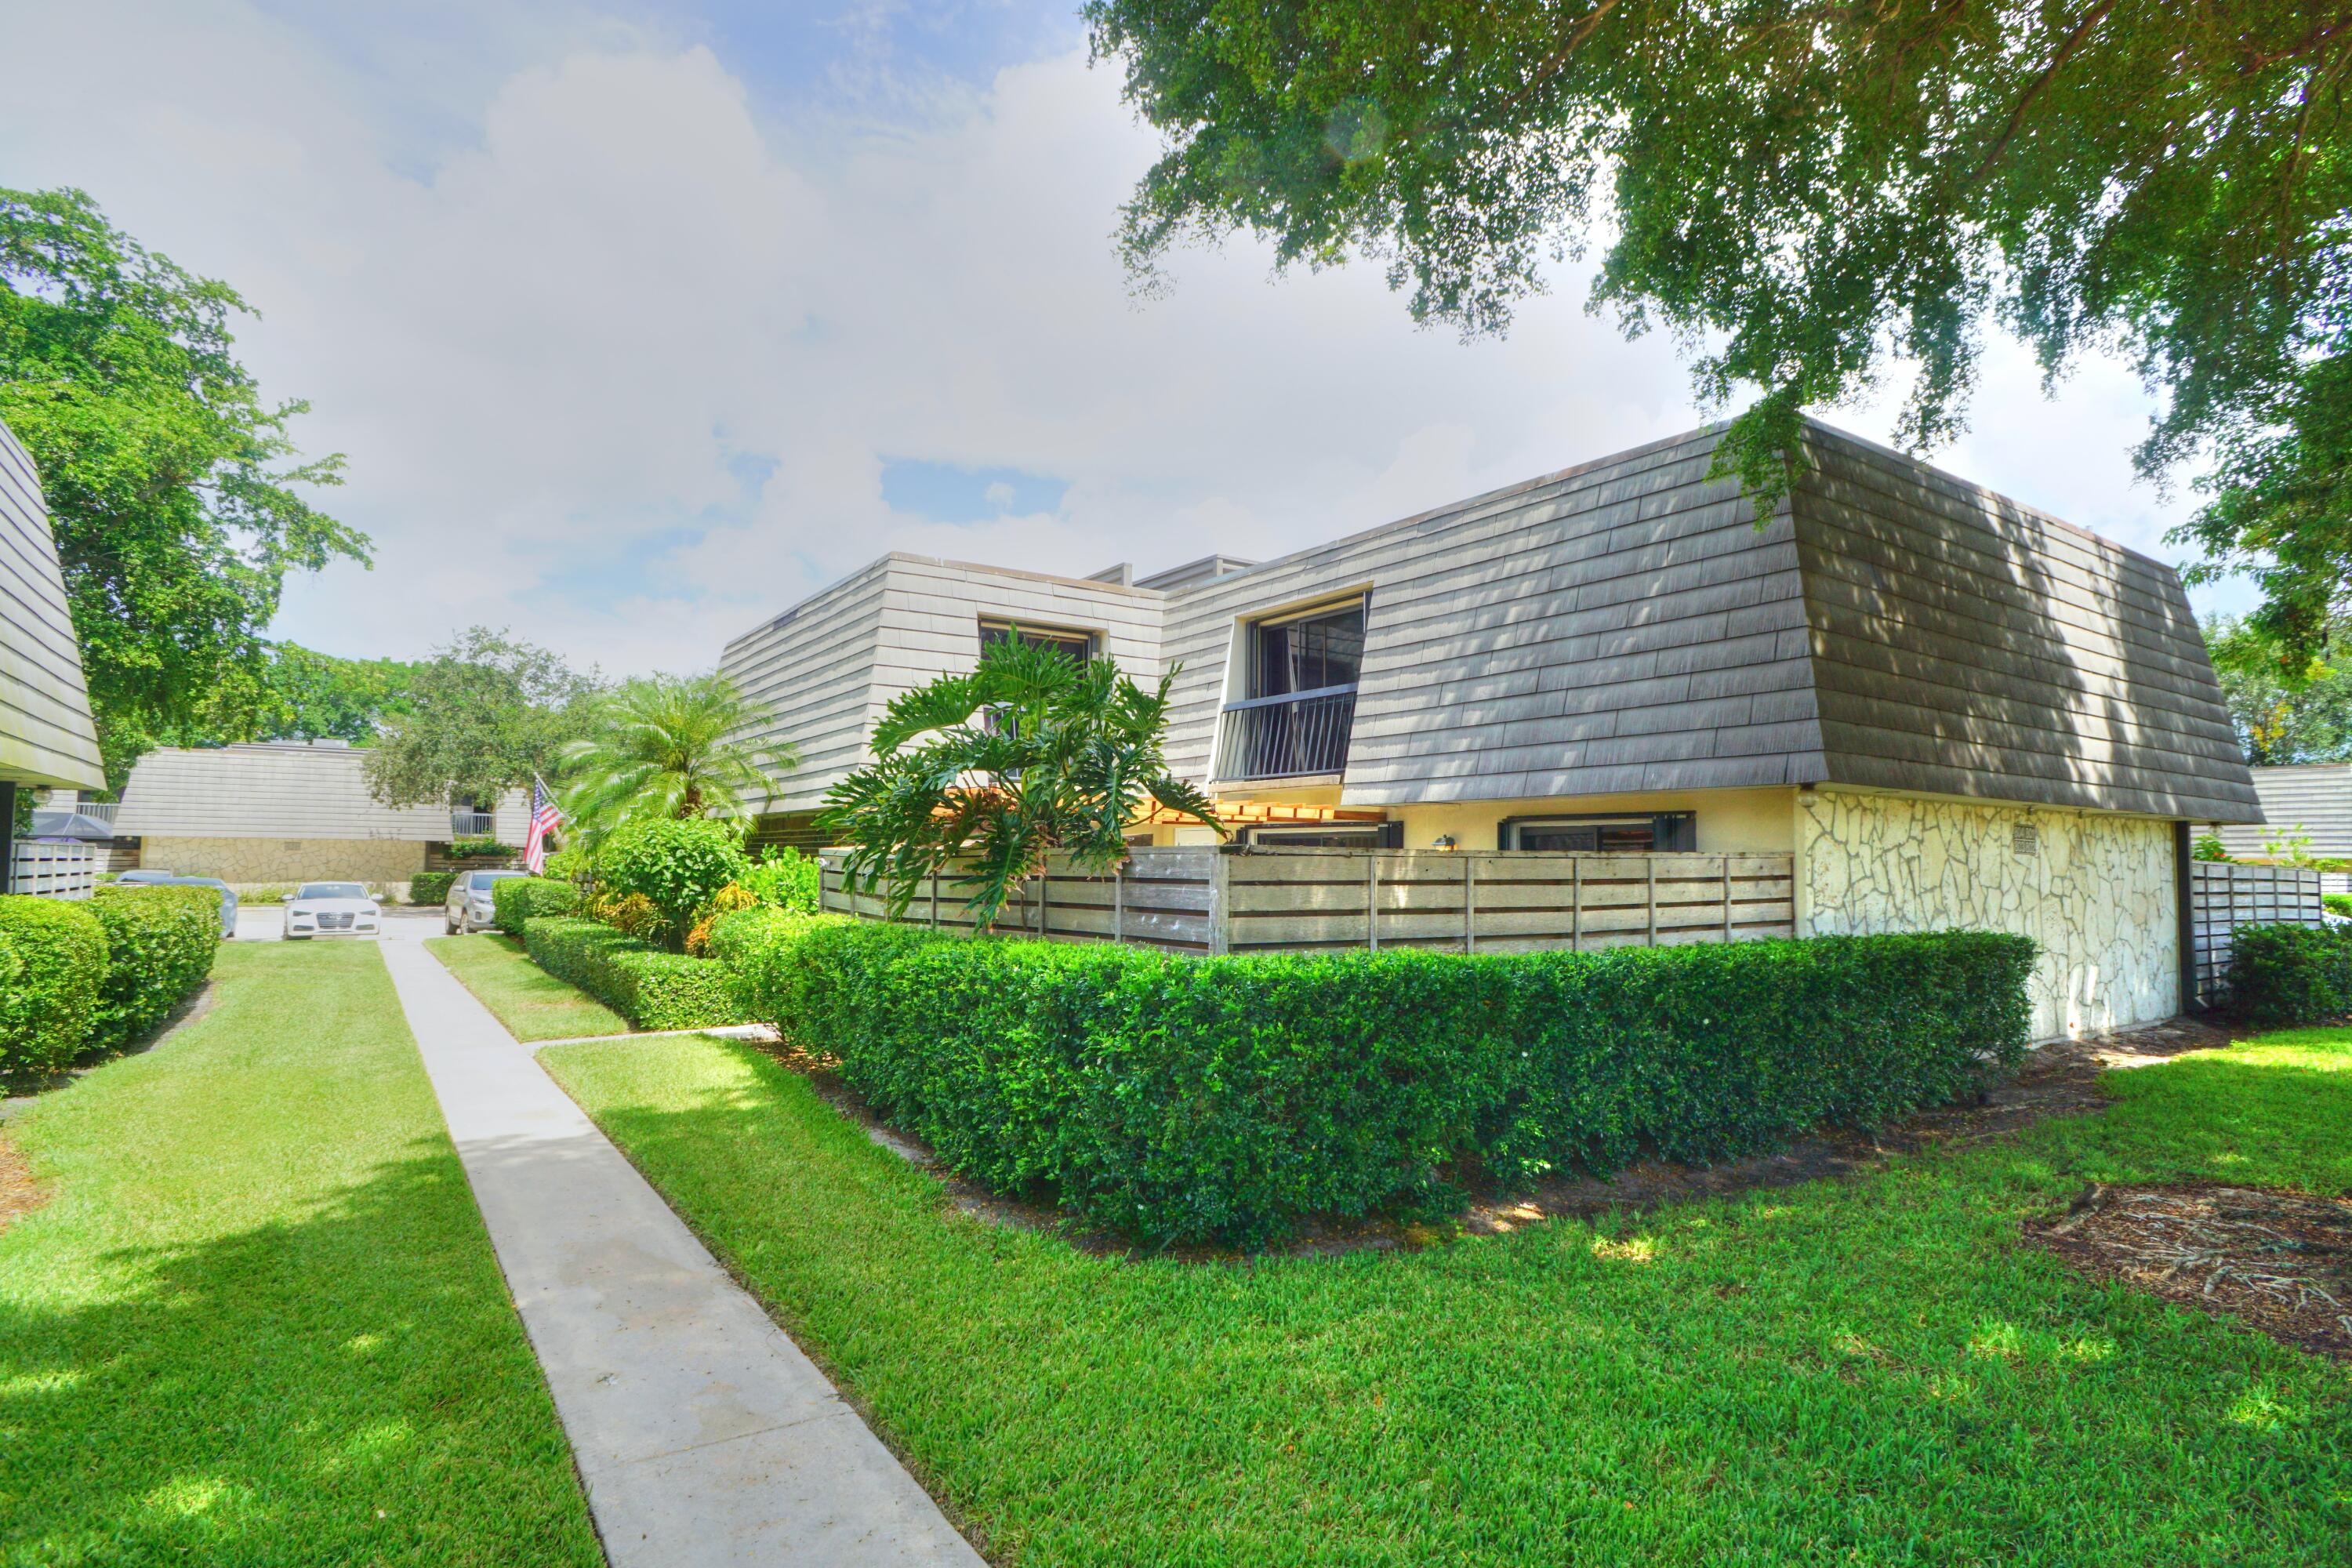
(1863,1366)
(350,1386)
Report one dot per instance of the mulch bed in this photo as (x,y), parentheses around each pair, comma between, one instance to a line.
(2280,1262)
(19,1194)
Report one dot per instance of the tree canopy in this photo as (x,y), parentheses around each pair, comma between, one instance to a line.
(1817,196)
(176,491)
(484,714)
(2286,707)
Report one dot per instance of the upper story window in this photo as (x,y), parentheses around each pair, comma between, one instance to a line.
(1078,646)
(1300,708)
(1312,652)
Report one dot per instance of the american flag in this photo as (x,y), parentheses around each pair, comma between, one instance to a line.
(544,820)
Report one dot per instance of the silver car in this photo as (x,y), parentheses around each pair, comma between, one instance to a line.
(470,907)
(332,909)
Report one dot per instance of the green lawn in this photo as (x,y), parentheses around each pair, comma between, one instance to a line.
(259,1322)
(1866,1373)
(533,1004)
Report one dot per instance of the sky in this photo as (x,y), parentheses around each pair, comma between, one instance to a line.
(636,323)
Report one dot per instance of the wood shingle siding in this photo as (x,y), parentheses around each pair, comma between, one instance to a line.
(46,734)
(1626,626)
(283,790)
(827,669)
(2312,798)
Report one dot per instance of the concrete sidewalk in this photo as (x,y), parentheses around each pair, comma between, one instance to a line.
(703,1433)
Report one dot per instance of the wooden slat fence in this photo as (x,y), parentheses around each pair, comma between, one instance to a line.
(2224,895)
(48,870)
(1268,899)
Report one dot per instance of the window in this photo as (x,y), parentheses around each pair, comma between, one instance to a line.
(1078,646)
(1301,672)
(1617,833)
(1308,653)
(1336,836)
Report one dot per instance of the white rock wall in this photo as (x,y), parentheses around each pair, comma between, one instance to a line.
(2098,894)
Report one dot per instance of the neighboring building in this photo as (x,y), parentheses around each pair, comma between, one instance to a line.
(1951,709)
(2310,800)
(47,738)
(286,811)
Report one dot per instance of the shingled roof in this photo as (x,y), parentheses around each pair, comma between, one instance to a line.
(1624,625)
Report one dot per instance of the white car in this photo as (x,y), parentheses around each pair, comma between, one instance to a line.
(332,909)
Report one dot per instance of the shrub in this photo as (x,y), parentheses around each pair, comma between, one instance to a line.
(755,946)
(430,887)
(2290,973)
(786,878)
(481,849)
(732,899)
(160,944)
(1227,1100)
(46,1014)
(652,989)
(2336,903)
(515,901)
(676,865)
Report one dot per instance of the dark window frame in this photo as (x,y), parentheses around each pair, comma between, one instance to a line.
(1671,832)
(1070,638)
(1278,836)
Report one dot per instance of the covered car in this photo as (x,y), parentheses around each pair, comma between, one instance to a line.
(332,909)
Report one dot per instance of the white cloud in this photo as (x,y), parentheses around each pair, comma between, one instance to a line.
(550,348)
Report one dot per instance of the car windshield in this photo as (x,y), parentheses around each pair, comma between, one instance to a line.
(484,879)
(331,890)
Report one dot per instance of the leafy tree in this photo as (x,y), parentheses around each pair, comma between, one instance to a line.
(1032,752)
(668,745)
(174,488)
(1815,195)
(484,714)
(2286,707)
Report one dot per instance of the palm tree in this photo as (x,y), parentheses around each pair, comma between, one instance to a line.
(986,774)
(669,745)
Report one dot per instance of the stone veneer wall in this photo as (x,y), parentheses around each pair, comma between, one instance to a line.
(257,860)
(2099,894)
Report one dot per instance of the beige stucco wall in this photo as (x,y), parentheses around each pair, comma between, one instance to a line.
(2099,895)
(248,860)
(1745,821)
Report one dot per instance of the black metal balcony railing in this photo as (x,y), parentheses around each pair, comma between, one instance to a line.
(1298,732)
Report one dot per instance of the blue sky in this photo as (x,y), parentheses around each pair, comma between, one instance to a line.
(639,321)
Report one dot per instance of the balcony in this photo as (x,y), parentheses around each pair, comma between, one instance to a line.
(471,824)
(1297,734)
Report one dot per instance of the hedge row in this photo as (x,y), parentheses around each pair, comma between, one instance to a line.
(650,988)
(160,944)
(2291,974)
(78,976)
(515,902)
(1228,1100)
(430,887)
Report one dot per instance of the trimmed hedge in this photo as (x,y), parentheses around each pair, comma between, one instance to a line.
(160,944)
(754,946)
(1227,1100)
(430,887)
(47,1012)
(517,900)
(2290,973)
(650,988)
